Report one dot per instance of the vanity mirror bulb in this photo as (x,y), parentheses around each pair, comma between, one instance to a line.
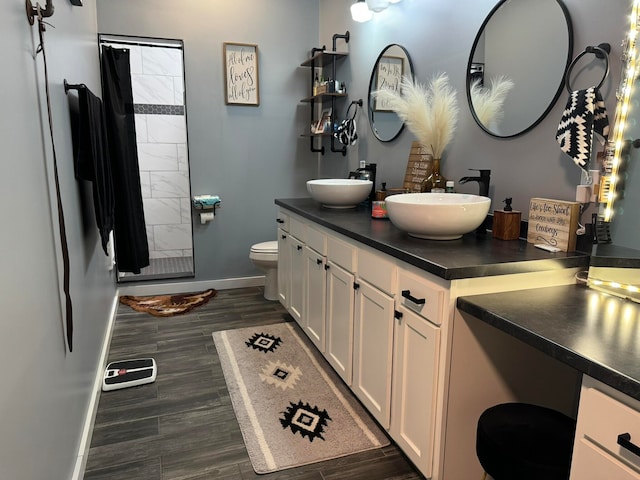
(377,5)
(360,12)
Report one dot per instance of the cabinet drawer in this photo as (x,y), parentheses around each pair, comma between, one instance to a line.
(620,419)
(590,461)
(341,253)
(420,295)
(283,220)
(297,228)
(317,240)
(377,270)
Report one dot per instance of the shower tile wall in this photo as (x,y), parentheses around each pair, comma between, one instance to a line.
(158,94)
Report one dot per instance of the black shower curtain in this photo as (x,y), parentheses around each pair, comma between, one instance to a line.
(132,250)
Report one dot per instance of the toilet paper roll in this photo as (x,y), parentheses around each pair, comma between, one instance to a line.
(206,217)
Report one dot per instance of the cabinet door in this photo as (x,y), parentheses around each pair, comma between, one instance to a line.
(296,287)
(372,355)
(339,324)
(284,268)
(315,285)
(414,380)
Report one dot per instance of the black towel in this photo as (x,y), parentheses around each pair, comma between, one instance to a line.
(91,160)
(585,113)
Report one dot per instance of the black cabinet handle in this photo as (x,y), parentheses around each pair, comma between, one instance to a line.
(326,266)
(284,236)
(356,285)
(418,301)
(318,261)
(624,440)
(299,247)
(397,314)
(279,220)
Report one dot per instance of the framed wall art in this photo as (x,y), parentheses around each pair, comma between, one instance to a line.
(388,77)
(241,79)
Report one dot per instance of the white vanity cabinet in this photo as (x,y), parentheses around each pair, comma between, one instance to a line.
(296,273)
(415,367)
(373,333)
(341,263)
(284,262)
(607,443)
(387,328)
(315,287)
(290,264)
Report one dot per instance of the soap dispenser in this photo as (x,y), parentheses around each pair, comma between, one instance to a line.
(367,171)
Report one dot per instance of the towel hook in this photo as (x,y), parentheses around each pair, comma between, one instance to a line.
(600,51)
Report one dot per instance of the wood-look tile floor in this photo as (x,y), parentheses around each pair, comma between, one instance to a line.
(182,426)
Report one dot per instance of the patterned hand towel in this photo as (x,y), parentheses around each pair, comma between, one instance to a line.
(585,113)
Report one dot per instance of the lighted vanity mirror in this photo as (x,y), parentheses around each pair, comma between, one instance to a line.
(392,63)
(615,266)
(512,45)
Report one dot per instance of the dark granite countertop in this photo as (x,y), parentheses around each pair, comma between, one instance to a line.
(609,255)
(595,333)
(471,256)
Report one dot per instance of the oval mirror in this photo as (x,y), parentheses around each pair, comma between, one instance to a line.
(516,68)
(392,63)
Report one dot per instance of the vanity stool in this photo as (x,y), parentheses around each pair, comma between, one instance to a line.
(520,441)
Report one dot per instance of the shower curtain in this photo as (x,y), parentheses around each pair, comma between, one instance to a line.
(132,250)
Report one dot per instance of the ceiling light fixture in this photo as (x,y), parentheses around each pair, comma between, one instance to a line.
(360,12)
(395,1)
(377,5)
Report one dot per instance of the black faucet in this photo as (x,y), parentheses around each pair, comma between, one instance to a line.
(483,180)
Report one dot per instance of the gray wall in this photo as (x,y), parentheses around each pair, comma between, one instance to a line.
(439,36)
(45,391)
(246,155)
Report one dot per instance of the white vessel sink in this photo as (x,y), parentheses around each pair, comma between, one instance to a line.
(437,216)
(339,192)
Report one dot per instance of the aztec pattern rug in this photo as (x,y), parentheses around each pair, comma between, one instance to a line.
(292,407)
(168,305)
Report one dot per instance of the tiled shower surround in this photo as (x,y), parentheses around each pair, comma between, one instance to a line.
(161,130)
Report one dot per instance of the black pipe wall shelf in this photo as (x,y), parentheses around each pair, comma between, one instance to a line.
(322,58)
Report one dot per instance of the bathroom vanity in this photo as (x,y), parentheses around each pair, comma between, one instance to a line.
(381,307)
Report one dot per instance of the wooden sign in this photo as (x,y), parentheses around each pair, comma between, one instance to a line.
(241,80)
(553,223)
(419,167)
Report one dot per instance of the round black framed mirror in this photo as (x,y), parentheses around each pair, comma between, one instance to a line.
(392,64)
(528,45)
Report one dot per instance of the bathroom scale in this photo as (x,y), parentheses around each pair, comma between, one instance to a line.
(129,373)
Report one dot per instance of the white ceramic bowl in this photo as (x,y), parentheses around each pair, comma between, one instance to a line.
(437,216)
(339,192)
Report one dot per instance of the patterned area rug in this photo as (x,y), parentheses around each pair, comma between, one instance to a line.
(168,305)
(291,406)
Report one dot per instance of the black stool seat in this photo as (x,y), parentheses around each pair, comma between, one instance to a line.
(519,441)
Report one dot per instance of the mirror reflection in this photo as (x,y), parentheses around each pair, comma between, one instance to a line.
(615,266)
(392,63)
(517,67)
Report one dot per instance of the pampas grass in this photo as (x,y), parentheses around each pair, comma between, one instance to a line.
(430,111)
(488,103)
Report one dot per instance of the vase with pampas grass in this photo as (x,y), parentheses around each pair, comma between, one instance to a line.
(430,112)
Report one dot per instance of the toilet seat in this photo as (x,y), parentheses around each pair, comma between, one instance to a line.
(265,247)
(265,251)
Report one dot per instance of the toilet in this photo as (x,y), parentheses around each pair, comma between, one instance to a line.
(265,256)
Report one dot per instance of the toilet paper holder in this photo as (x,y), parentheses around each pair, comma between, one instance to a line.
(207,205)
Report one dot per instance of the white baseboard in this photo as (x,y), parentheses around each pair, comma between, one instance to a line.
(90,418)
(190,286)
